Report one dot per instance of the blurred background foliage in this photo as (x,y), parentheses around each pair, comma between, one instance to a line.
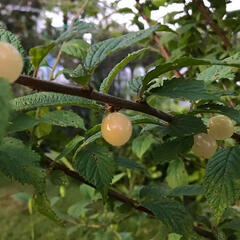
(37,22)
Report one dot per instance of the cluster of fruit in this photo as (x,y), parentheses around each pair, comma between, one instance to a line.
(219,128)
(10,61)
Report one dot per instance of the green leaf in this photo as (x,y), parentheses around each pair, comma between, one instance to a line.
(47,99)
(80,75)
(99,51)
(21,163)
(22,122)
(43,206)
(77,48)
(189,190)
(185,125)
(221,109)
(75,30)
(153,192)
(141,144)
(96,164)
(63,119)
(9,37)
(42,130)
(5,95)
(214,73)
(179,63)
(188,89)
(169,150)
(109,79)
(70,147)
(135,84)
(172,213)
(222,180)
(140,119)
(38,53)
(176,174)
(78,209)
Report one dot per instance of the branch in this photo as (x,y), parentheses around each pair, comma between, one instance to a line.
(47,86)
(115,195)
(207,15)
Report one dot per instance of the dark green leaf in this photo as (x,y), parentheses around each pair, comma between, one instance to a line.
(222,180)
(189,190)
(153,192)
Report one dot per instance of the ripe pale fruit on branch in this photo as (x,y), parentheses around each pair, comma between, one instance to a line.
(220,127)
(204,145)
(11,62)
(116,129)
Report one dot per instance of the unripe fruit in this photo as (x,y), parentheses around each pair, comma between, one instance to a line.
(116,128)
(11,62)
(220,127)
(204,145)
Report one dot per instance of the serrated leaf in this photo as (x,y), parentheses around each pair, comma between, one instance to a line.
(187,89)
(185,125)
(188,190)
(179,63)
(43,206)
(153,192)
(21,163)
(99,51)
(63,119)
(80,75)
(75,30)
(222,180)
(221,109)
(38,53)
(214,73)
(176,174)
(96,164)
(5,95)
(172,213)
(47,99)
(135,84)
(77,48)
(141,144)
(70,147)
(105,85)
(169,150)
(9,37)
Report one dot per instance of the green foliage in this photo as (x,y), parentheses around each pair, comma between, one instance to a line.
(222,180)
(96,164)
(106,84)
(99,51)
(5,95)
(47,99)
(187,89)
(77,48)
(21,163)
(141,144)
(189,190)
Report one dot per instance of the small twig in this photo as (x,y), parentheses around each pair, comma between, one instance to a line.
(81,9)
(51,76)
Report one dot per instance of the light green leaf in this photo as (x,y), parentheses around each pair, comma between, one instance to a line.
(172,213)
(96,164)
(99,51)
(109,79)
(70,147)
(37,54)
(188,89)
(5,95)
(42,130)
(185,125)
(141,144)
(78,209)
(179,63)
(80,75)
(21,163)
(222,180)
(47,99)
(135,84)
(77,48)
(43,206)
(176,174)
(220,109)
(188,190)
(64,119)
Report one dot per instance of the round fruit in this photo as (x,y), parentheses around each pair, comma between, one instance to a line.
(204,145)
(116,128)
(220,127)
(11,62)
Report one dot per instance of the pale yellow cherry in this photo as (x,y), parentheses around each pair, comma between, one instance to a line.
(11,62)
(220,127)
(116,129)
(204,145)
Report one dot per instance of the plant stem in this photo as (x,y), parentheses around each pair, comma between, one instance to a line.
(51,76)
